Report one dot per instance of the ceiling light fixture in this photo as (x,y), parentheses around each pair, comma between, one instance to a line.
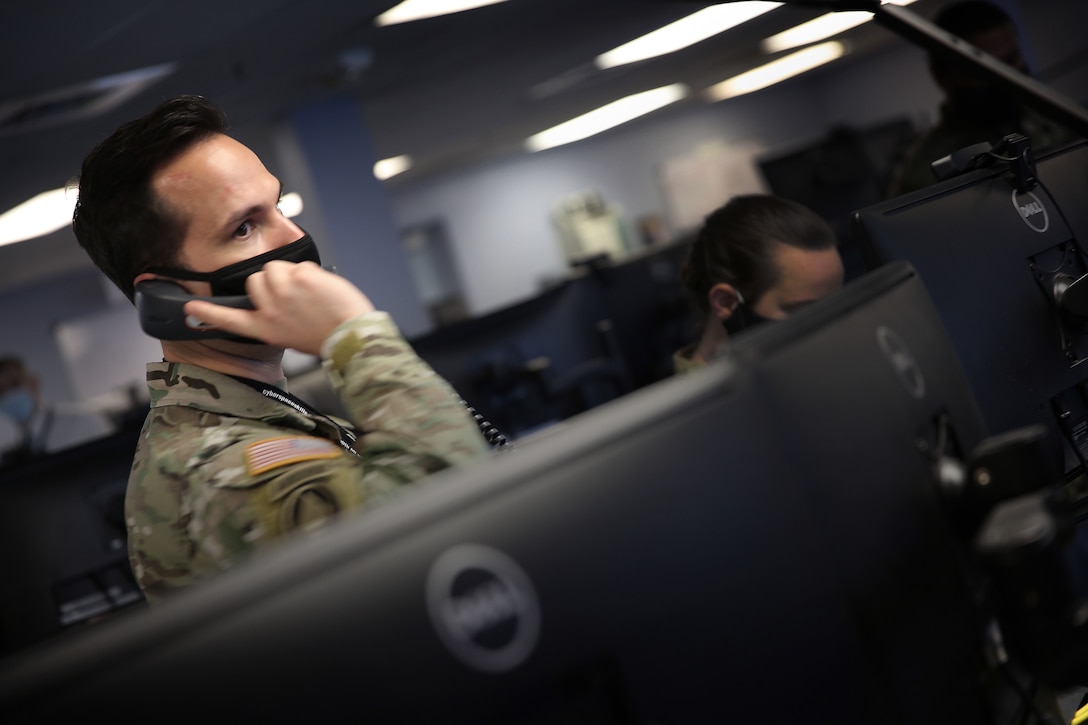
(388,168)
(606,117)
(684,32)
(777,71)
(291,204)
(43,214)
(410,10)
(820,28)
(52,210)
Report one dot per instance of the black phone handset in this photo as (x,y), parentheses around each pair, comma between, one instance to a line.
(161,307)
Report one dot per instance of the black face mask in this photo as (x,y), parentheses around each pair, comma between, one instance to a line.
(230,281)
(743,318)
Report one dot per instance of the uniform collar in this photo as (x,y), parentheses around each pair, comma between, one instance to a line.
(193,386)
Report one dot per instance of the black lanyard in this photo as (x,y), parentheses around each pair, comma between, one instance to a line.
(347,438)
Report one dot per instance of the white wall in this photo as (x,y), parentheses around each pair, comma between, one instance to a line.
(26,329)
(499,215)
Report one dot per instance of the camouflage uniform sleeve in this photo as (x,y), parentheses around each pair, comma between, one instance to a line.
(410,418)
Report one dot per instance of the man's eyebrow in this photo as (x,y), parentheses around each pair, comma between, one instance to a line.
(240,217)
(236,219)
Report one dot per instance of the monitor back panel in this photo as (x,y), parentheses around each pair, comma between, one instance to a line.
(990,256)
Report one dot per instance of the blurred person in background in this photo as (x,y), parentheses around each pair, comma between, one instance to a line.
(757,258)
(20,402)
(975,110)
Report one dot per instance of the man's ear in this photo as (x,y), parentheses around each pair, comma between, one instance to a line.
(144,277)
(723,299)
(184,284)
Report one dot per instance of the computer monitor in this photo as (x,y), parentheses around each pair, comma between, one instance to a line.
(63,538)
(759,541)
(992,258)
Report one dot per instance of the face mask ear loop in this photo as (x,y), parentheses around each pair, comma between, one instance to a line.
(736,322)
(291,252)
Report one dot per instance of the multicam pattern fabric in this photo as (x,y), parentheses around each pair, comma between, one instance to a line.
(682,361)
(196,505)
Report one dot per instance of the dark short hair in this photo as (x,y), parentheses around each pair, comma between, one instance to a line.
(967,19)
(735,245)
(12,365)
(971,17)
(11,362)
(117,220)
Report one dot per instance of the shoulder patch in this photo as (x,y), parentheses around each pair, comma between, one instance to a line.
(272,453)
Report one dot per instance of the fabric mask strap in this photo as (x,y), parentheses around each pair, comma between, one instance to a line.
(230,280)
(743,317)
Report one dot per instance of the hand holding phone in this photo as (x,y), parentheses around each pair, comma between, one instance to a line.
(160,305)
(294,305)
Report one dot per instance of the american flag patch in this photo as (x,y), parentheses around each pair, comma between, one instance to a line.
(275,452)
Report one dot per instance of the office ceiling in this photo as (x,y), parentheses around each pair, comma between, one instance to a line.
(449,91)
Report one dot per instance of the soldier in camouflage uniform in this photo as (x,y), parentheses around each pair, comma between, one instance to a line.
(228,462)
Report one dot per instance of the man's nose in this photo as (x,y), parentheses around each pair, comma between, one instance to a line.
(286,232)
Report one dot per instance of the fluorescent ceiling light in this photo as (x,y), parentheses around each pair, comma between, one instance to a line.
(777,70)
(388,168)
(815,30)
(684,32)
(44,214)
(606,117)
(52,210)
(291,204)
(820,28)
(419,9)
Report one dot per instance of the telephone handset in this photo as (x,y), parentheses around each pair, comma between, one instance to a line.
(161,307)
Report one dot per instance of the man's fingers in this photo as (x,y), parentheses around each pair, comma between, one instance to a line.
(275,275)
(200,314)
(296,306)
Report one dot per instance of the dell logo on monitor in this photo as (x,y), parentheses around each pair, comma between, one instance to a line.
(483,607)
(1031,210)
(902,361)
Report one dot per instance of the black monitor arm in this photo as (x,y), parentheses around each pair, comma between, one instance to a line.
(921,32)
(917,30)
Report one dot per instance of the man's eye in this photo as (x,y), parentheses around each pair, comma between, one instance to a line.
(243,229)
